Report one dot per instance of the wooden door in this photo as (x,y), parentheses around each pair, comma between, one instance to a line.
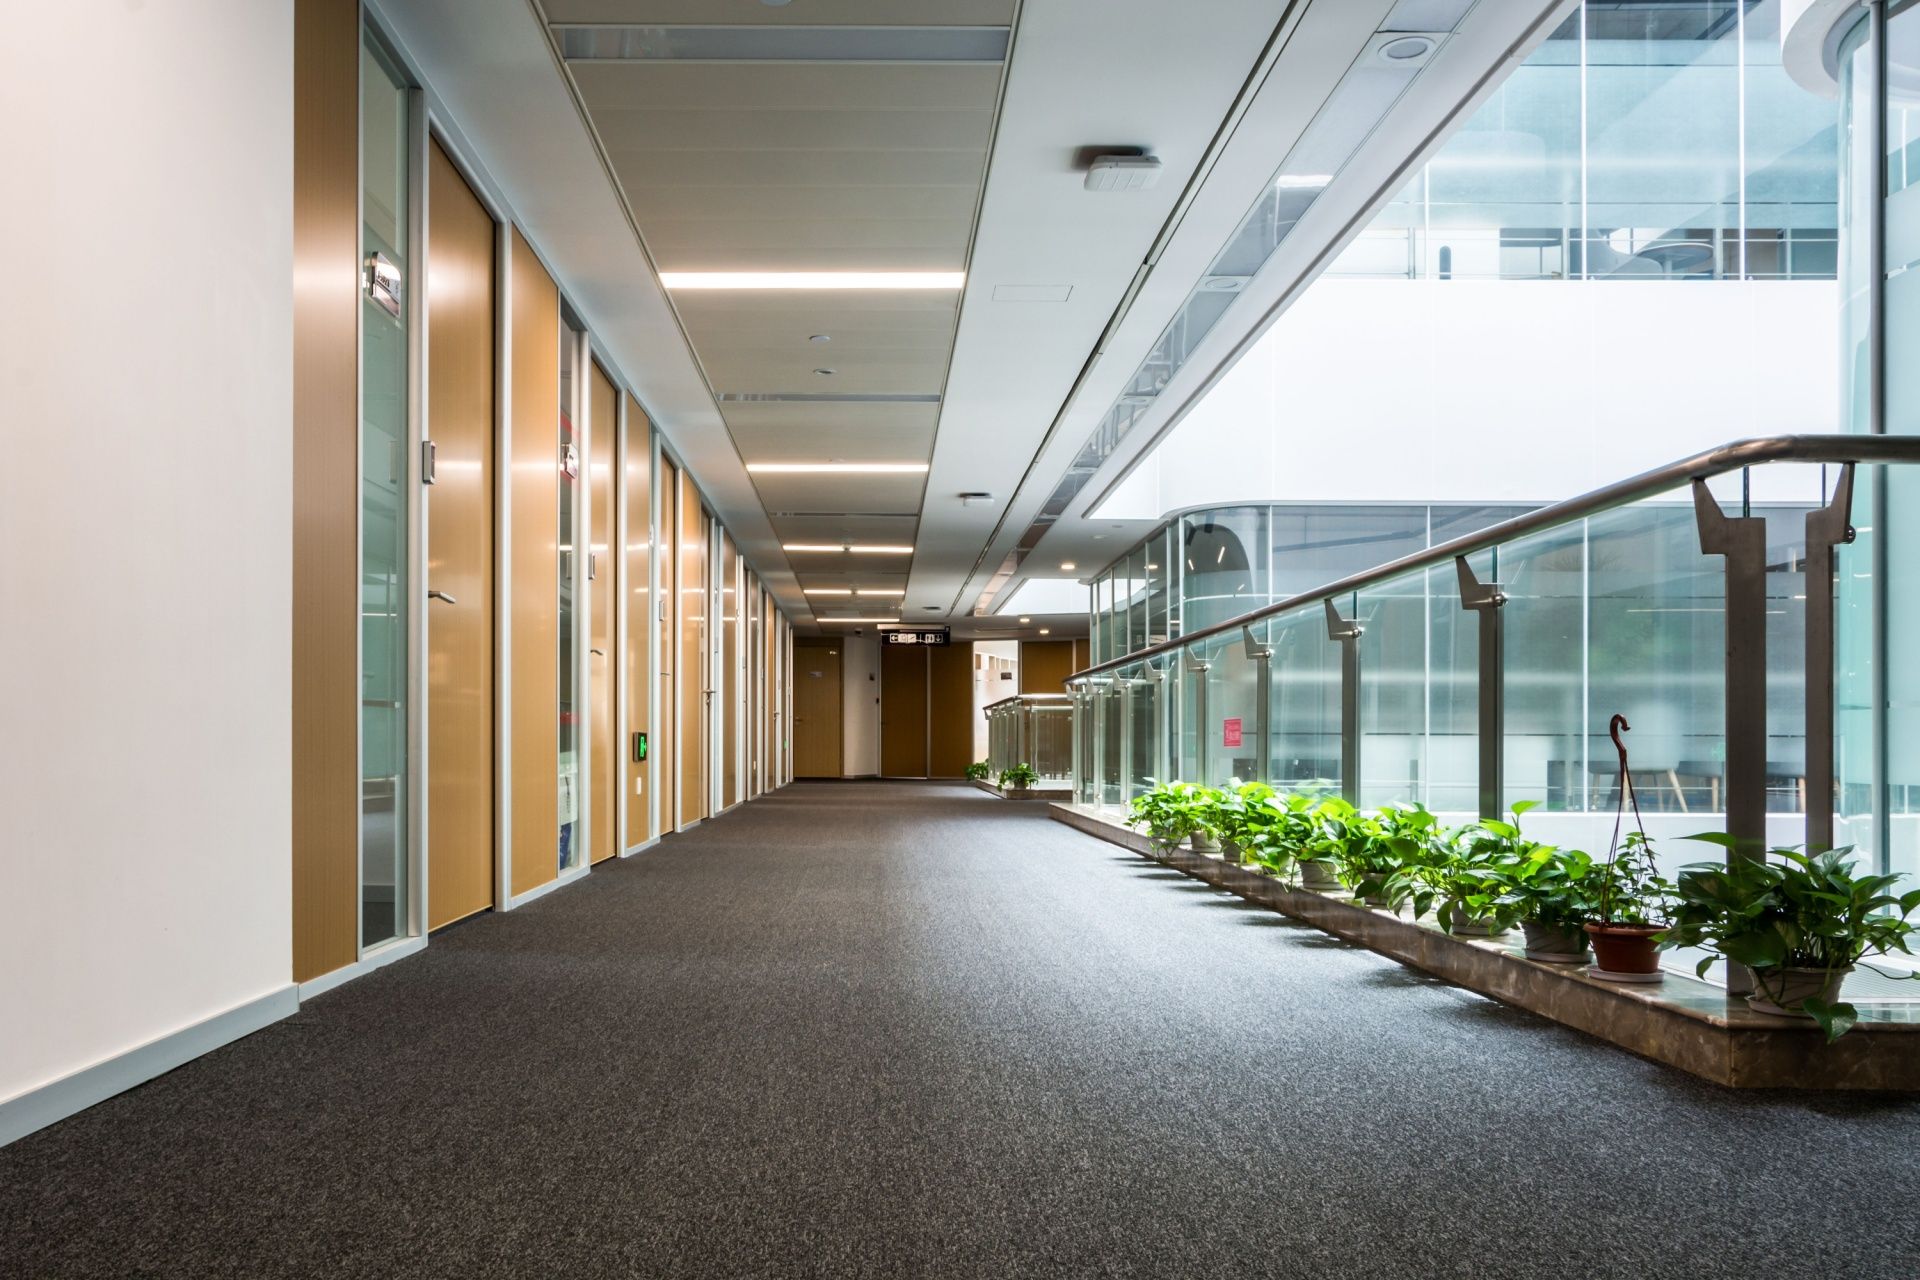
(695,684)
(666,738)
(603,595)
(950,707)
(903,711)
(817,709)
(460,547)
(637,596)
(535,568)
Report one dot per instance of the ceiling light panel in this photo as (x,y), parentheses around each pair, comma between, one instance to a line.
(784,42)
(815,281)
(838,468)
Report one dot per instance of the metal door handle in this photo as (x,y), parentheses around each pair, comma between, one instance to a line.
(441,595)
(601,652)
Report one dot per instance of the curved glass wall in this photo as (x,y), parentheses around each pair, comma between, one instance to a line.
(1878,678)
(1640,141)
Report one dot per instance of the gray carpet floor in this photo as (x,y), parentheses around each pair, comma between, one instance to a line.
(911,1030)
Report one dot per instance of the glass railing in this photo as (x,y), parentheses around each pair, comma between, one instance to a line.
(1482,672)
(1034,729)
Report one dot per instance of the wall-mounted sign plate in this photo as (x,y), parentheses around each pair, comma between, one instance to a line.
(918,635)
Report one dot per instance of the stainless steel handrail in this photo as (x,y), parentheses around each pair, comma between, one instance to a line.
(1733,456)
(1031,699)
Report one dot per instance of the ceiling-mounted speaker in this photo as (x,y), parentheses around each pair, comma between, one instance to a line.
(1123,173)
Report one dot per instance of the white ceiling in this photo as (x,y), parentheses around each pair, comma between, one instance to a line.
(620,169)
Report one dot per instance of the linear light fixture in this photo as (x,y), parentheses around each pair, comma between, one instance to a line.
(839,468)
(826,591)
(849,618)
(854,548)
(813,279)
(881,591)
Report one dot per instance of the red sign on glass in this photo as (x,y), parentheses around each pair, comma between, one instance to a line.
(1230,731)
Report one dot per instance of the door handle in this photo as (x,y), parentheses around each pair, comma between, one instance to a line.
(441,596)
(601,652)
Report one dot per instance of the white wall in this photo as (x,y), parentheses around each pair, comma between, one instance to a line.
(1498,391)
(860,705)
(145,537)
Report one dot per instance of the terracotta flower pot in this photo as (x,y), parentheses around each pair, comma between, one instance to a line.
(1625,948)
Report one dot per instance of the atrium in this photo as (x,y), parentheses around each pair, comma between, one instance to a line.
(960,638)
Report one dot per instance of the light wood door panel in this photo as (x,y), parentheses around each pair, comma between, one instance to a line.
(603,595)
(903,711)
(666,744)
(460,548)
(1045,665)
(817,710)
(637,596)
(694,658)
(326,486)
(950,705)
(534,560)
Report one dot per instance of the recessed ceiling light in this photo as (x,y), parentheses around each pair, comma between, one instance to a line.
(1045,632)
(827,591)
(839,468)
(819,337)
(1407,48)
(881,591)
(1066,566)
(813,279)
(841,546)
(1024,621)
(824,373)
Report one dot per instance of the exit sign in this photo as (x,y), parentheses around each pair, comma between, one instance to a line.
(918,635)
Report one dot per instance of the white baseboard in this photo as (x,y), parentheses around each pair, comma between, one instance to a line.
(367,963)
(71,1094)
(565,877)
(642,847)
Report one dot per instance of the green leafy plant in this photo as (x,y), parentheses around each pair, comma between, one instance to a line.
(1472,884)
(1244,816)
(1391,853)
(1791,911)
(1556,888)
(1172,811)
(1630,889)
(979,771)
(1019,776)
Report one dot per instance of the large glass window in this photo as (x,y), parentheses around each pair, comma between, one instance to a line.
(386,285)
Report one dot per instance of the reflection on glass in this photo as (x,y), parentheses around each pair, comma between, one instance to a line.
(571,389)
(387,278)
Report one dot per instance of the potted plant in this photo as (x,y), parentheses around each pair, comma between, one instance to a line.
(1243,816)
(1554,892)
(1631,894)
(1629,913)
(1172,812)
(1799,922)
(979,771)
(1387,854)
(1469,880)
(1019,777)
(1316,828)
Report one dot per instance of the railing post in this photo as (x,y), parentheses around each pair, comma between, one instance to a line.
(1262,657)
(1487,599)
(1348,633)
(1743,541)
(1827,529)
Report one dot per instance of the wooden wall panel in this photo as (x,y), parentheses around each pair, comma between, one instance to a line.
(950,711)
(694,658)
(637,595)
(1082,654)
(534,563)
(727,700)
(817,709)
(903,711)
(603,596)
(460,548)
(1045,665)
(326,486)
(666,721)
